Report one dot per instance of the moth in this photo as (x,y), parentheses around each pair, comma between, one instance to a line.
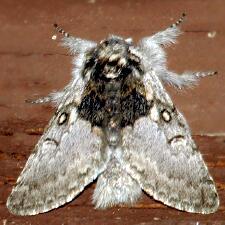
(116,123)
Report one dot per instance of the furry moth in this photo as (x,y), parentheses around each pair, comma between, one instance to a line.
(116,123)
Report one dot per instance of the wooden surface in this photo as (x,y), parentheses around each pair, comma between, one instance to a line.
(32,65)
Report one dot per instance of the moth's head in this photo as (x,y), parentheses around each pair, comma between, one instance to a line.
(112,54)
(112,58)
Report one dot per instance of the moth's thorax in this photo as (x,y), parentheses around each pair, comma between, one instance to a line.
(113,111)
(114,96)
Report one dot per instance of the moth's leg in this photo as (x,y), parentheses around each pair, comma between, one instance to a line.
(187,79)
(54,98)
(42,100)
(167,36)
(75,45)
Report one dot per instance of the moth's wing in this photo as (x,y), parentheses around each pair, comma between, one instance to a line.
(68,156)
(159,153)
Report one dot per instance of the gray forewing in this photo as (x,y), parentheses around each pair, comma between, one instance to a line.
(67,158)
(159,153)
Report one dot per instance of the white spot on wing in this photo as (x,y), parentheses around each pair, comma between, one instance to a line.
(62,118)
(166,116)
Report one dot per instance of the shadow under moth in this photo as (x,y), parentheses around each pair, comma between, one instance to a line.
(116,123)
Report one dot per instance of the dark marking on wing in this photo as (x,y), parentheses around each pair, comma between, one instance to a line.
(52,140)
(63,118)
(177,137)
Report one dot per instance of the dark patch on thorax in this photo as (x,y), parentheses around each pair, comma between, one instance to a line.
(107,98)
(122,101)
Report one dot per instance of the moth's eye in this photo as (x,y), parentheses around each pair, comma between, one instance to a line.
(134,59)
(112,63)
(90,63)
(106,42)
(63,118)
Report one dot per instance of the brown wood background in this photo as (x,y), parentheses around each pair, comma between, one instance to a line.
(32,65)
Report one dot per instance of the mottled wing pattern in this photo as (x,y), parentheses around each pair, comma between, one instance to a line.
(159,153)
(68,156)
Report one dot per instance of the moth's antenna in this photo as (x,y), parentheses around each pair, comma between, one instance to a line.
(205,74)
(60,30)
(178,22)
